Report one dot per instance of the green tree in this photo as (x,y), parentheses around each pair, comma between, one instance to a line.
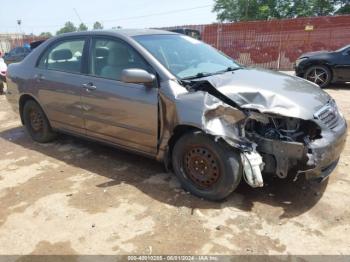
(242,10)
(235,10)
(345,10)
(82,27)
(68,27)
(45,35)
(97,26)
(323,7)
(299,8)
(343,7)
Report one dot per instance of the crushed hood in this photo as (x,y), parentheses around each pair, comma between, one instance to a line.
(271,92)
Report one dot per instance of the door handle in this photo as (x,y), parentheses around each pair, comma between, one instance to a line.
(39,77)
(89,87)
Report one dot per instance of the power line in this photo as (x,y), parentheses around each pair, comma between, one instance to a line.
(128,18)
(156,14)
(76,12)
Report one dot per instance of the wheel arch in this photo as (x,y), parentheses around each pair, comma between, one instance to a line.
(23,100)
(177,133)
(320,63)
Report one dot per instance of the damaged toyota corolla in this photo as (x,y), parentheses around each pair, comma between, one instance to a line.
(180,101)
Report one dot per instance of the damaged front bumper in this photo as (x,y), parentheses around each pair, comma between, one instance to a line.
(325,152)
(316,160)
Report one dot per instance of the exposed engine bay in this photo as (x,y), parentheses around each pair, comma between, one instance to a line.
(284,129)
(282,142)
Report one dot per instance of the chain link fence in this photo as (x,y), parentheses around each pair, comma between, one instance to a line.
(276,44)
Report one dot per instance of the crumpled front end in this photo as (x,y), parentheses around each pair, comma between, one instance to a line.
(269,141)
(324,153)
(292,147)
(287,146)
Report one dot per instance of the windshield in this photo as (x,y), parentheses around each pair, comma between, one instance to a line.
(186,57)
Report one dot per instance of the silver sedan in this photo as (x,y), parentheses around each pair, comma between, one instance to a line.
(180,101)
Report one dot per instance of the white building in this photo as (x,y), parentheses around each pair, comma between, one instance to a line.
(9,40)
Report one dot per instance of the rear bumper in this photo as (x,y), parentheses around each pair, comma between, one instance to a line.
(12,96)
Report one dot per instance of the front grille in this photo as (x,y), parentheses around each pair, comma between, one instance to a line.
(329,115)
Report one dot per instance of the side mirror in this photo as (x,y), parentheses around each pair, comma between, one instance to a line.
(137,76)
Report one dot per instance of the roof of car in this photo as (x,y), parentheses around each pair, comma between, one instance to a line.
(125,32)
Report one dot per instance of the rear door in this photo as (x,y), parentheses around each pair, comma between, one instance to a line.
(122,113)
(59,80)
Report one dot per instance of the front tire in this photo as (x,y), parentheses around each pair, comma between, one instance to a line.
(320,75)
(207,168)
(36,123)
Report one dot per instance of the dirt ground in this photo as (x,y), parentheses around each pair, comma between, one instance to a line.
(79,197)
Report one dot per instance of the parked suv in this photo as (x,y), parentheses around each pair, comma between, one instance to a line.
(182,102)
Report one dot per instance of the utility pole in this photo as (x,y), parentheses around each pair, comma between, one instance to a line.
(19,23)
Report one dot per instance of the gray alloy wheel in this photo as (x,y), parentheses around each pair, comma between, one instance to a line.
(320,75)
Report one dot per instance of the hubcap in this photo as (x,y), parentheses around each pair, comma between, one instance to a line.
(201,167)
(36,120)
(319,76)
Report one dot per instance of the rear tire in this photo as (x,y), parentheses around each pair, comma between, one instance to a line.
(320,75)
(36,123)
(206,168)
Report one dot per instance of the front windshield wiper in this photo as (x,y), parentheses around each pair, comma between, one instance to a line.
(229,69)
(199,75)
(202,74)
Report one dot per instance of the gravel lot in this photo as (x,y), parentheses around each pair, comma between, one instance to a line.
(79,197)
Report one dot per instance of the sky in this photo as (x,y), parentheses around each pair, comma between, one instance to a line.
(49,16)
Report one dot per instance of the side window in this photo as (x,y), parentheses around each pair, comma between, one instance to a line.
(65,56)
(110,57)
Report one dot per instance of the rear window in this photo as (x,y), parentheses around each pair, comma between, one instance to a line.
(65,56)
